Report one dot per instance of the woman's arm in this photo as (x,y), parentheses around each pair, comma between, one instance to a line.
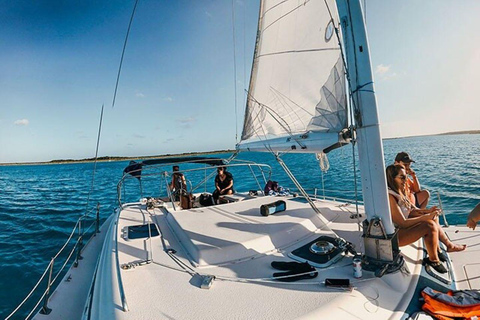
(474,217)
(399,219)
(418,211)
(414,180)
(229,186)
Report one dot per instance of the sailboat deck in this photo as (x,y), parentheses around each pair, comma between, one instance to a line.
(158,285)
(243,288)
(235,231)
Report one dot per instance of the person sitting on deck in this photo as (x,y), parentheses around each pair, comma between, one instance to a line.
(223,183)
(413,223)
(417,195)
(178,186)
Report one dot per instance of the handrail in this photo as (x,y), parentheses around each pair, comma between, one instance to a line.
(119,274)
(52,262)
(153,171)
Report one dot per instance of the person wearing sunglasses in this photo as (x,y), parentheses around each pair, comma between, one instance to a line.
(413,223)
(417,195)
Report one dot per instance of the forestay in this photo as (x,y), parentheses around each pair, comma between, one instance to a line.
(297,87)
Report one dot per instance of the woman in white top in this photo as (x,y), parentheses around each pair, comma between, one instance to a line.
(413,223)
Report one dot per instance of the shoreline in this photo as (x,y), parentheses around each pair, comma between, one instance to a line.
(113,159)
(438,134)
(185,154)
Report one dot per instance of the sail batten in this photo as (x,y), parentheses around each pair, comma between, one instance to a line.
(297,83)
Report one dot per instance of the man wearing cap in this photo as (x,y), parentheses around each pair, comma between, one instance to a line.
(416,195)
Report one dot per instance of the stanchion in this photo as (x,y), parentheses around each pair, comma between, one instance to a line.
(80,244)
(45,309)
(97,221)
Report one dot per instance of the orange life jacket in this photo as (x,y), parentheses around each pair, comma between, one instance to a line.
(462,304)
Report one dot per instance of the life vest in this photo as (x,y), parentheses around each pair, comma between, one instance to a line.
(462,304)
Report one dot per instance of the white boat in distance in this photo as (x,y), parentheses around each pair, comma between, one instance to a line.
(311,90)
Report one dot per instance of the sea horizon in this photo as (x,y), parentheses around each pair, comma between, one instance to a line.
(193,153)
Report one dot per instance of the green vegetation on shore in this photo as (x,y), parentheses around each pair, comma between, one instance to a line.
(107,158)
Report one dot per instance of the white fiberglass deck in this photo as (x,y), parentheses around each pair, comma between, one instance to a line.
(236,231)
(237,245)
(169,286)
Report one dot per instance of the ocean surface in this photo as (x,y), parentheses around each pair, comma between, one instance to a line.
(40,204)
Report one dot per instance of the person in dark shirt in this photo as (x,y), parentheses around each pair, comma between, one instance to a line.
(223,183)
(178,186)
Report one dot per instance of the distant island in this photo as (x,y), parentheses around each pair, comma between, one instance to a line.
(439,134)
(108,158)
(459,132)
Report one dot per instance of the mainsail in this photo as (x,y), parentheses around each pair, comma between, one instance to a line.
(297,89)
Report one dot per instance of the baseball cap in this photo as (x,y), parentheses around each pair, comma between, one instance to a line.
(404,157)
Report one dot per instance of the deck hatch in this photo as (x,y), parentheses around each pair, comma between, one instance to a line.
(141,231)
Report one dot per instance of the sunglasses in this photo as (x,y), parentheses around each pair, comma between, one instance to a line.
(403,177)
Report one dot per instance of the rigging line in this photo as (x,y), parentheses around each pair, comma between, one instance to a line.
(278,4)
(244,56)
(289,111)
(296,51)
(287,98)
(234,71)
(354,51)
(96,158)
(272,113)
(329,112)
(343,56)
(351,111)
(123,53)
(285,105)
(286,14)
(277,118)
(360,87)
(300,188)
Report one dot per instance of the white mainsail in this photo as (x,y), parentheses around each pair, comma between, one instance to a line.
(297,89)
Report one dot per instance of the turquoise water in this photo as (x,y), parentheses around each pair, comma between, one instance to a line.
(39,204)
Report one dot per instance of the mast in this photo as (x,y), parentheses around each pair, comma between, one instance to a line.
(364,104)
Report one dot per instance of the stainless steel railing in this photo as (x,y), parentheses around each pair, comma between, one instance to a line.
(52,278)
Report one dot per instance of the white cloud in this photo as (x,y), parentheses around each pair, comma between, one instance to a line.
(186,122)
(384,72)
(169,99)
(139,94)
(208,14)
(21,122)
(381,69)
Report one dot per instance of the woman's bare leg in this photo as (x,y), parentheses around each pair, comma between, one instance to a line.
(422,198)
(451,247)
(428,230)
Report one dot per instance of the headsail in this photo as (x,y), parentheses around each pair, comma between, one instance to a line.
(297,86)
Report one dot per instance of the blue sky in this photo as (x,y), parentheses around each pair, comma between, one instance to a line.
(59,61)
